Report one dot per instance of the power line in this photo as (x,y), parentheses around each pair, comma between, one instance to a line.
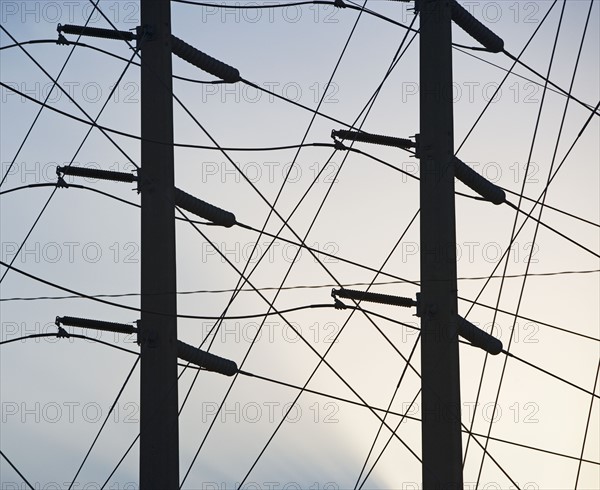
(522,289)
(291,288)
(587,425)
(78,149)
(16,469)
(322,358)
(41,107)
(263,289)
(330,396)
(65,334)
(234,165)
(110,410)
(556,376)
(286,147)
(405,415)
(372,448)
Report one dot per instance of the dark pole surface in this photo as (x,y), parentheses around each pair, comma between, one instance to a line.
(441,435)
(159,440)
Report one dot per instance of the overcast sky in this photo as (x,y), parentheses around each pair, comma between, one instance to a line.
(56,393)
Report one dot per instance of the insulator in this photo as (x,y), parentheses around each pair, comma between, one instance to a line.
(95,173)
(95,324)
(203,209)
(206,359)
(478,183)
(376,139)
(478,337)
(203,61)
(386,299)
(475,29)
(96,32)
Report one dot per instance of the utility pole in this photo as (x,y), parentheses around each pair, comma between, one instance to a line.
(441,434)
(159,437)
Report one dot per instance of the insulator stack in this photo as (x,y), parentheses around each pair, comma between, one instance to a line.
(376,139)
(95,173)
(206,360)
(475,335)
(478,183)
(203,209)
(203,61)
(70,321)
(478,337)
(476,29)
(385,299)
(96,32)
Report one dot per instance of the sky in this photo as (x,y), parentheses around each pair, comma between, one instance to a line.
(56,393)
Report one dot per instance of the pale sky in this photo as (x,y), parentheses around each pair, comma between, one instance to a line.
(55,394)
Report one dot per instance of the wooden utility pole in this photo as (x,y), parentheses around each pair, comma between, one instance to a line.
(159,438)
(441,434)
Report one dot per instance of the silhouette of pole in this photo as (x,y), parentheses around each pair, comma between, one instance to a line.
(441,434)
(159,438)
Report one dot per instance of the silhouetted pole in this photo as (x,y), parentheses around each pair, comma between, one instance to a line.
(159,439)
(441,435)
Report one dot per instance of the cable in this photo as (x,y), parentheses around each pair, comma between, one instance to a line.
(291,242)
(240,283)
(90,121)
(547,206)
(372,448)
(587,426)
(291,288)
(108,53)
(112,196)
(508,73)
(323,360)
(521,228)
(337,3)
(110,410)
(563,91)
(179,315)
(405,416)
(78,149)
(98,298)
(185,145)
(588,120)
(68,335)
(371,102)
(42,107)
(16,469)
(522,289)
(545,371)
(554,230)
(477,198)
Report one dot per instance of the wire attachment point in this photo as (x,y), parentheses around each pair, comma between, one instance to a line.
(62,40)
(61,182)
(338,145)
(338,305)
